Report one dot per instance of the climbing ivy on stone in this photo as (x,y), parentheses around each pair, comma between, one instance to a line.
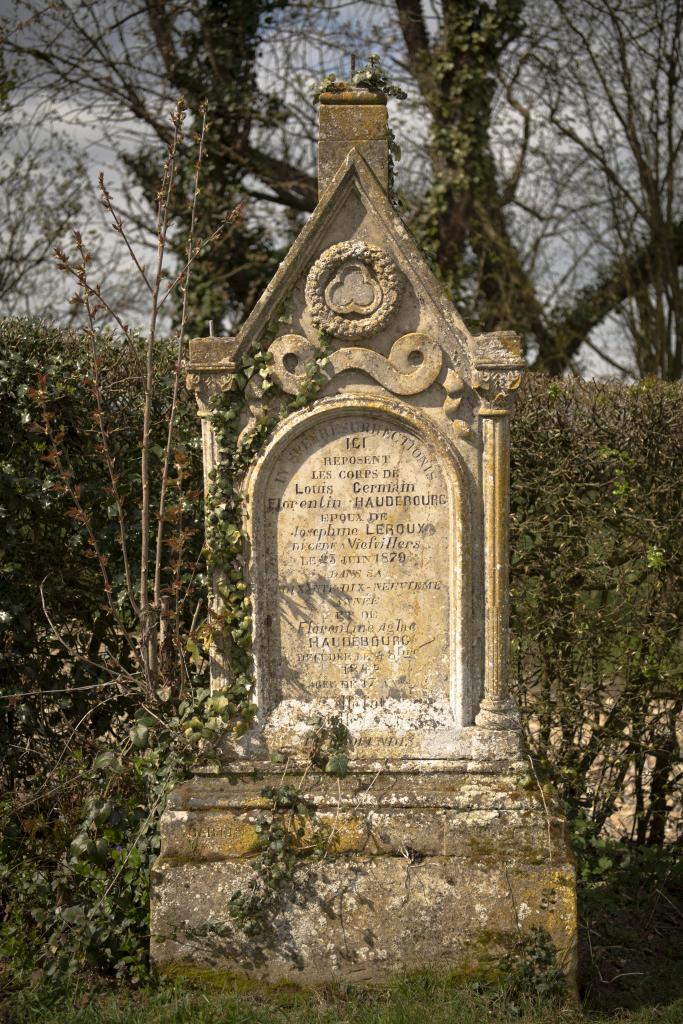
(290,830)
(238,446)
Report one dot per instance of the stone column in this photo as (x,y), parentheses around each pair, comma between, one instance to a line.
(211,370)
(497,710)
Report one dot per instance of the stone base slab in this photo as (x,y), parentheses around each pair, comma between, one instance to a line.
(441,870)
(496,742)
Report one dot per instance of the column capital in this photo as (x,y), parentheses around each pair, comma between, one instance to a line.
(496,386)
(211,369)
(497,372)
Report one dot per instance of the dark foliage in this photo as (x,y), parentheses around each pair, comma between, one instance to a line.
(597,568)
(85,764)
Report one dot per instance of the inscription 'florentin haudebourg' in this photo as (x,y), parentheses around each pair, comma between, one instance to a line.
(376,557)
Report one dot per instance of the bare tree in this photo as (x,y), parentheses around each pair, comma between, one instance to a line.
(611,72)
(41,193)
(541,145)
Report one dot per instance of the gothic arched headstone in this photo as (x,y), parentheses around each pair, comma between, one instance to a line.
(376,557)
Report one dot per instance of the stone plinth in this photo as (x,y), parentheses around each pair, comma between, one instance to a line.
(354,117)
(430,865)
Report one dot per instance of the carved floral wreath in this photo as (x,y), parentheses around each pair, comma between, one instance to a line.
(381,282)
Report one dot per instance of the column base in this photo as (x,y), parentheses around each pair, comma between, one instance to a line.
(497,714)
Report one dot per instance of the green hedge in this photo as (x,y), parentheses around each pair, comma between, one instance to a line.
(597,610)
(55,632)
(81,792)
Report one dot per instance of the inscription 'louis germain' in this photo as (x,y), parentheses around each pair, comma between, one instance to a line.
(357,527)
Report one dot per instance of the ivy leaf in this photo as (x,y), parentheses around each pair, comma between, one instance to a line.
(139,735)
(337,764)
(107,761)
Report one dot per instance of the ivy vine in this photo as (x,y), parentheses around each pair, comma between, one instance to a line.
(288,827)
(328,745)
(289,830)
(371,76)
(237,448)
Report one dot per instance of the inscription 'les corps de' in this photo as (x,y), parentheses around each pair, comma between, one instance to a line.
(358,565)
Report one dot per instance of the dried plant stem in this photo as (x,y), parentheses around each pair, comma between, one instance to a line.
(179,360)
(148,637)
(156,641)
(118,225)
(108,458)
(119,672)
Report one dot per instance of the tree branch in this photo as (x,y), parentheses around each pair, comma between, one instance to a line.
(569,327)
(412,24)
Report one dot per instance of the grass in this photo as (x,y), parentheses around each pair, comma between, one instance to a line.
(414,1000)
(631,972)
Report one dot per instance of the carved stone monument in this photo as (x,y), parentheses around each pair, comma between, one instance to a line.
(377,557)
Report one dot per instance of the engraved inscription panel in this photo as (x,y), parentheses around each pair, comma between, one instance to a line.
(358,565)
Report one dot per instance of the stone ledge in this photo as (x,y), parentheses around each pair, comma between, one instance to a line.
(483,836)
(459,789)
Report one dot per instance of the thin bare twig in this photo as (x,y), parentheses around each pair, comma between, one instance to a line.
(178,367)
(149,646)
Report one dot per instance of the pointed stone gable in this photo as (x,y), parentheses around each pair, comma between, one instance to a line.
(355,208)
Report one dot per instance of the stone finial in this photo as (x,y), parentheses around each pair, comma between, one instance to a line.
(353,118)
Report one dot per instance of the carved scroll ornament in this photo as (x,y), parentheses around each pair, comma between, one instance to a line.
(412,365)
(454,386)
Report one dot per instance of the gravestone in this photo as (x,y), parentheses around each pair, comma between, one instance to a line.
(376,558)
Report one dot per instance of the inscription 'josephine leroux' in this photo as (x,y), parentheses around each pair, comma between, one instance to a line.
(357,527)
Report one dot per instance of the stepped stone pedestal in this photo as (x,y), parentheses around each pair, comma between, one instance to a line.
(430,867)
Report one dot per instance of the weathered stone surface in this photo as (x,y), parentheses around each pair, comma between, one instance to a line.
(445,832)
(360,581)
(478,851)
(440,869)
(377,551)
(359,918)
(355,118)
(401,784)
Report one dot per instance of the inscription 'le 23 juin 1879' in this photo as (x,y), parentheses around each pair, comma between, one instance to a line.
(356,527)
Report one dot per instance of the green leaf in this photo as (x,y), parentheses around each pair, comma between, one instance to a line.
(107,761)
(337,764)
(139,735)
